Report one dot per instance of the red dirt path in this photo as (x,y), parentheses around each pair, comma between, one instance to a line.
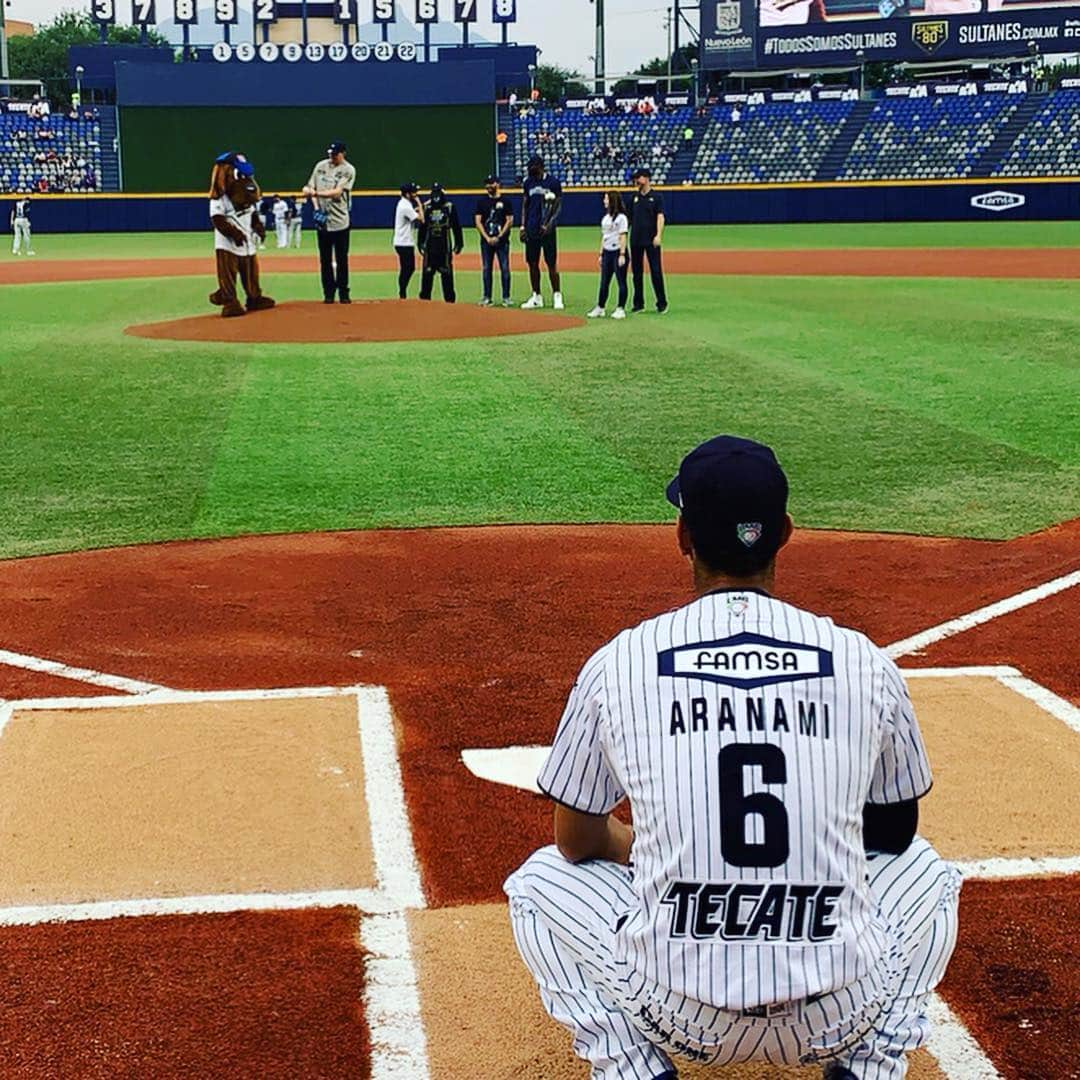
(1051,263)
(366,320)
(274,995)
(477,633)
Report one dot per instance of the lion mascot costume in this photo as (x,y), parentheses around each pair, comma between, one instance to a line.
(234,200)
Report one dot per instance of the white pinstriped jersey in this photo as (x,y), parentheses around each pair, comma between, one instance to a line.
(747,735)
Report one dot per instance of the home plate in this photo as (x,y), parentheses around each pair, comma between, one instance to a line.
(515,766)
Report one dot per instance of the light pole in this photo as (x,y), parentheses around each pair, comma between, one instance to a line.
(532,80)
(79,71)
(599,66)
(3,44)
(695,92)
(669,19)
(860,55)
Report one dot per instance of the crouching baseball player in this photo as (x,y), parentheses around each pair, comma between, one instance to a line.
(772,902)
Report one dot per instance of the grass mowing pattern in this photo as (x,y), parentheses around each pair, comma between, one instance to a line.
(927,406)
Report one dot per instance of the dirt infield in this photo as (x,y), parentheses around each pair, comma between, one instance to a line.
(369,320)
(865,262)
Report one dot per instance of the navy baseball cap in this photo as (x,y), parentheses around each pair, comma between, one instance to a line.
(410,188)
(535,162)
(732,494)
(336,148)
(492,180)
(641,172)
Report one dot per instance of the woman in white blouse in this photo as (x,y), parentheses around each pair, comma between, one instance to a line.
(613,259)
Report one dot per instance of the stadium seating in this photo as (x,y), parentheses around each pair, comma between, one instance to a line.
(1050,143)
(768,143)
(587,149)
(923,138)
(62,154)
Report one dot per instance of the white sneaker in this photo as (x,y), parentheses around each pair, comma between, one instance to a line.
(596,313)
(485,302)
(31,253)
(618,313)
(557,302)
(534,301)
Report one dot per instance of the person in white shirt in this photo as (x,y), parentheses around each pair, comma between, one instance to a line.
(614,229)
(280,211)
(408,217)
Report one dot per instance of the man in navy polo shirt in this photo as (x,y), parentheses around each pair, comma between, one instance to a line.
(542,206)
(646,234)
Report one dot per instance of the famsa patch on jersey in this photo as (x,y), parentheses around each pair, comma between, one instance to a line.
(746,660)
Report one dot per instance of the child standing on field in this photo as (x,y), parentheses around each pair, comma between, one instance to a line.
(613,232)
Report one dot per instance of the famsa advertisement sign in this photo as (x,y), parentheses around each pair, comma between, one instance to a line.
(728,34)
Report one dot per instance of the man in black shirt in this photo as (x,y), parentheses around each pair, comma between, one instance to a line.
(439,241)
(493,217)
(646,233)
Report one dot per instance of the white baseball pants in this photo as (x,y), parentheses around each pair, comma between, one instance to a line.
(296,227)
(563,916)
(281,229)
(20,236)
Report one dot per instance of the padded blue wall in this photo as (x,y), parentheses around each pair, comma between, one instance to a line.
(1045,201)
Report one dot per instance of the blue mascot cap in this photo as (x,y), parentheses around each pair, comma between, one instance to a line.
(238,161)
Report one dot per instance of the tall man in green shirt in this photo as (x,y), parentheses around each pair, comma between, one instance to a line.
(330,185)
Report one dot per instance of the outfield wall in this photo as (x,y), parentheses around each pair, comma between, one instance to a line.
(1027,200)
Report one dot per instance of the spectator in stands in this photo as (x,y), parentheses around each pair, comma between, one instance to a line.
(493,218)
(647,223)
(512,100)
(687,135)
(613,231)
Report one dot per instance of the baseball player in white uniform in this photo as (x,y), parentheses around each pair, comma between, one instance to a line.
(20,227)
(772,902)
(296,224)
(280,210)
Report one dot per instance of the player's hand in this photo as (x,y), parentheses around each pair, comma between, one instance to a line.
(523,237)
(307,191)
(543,230)
(621,260)
(656,241)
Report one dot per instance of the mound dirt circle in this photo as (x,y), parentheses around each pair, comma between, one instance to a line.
(369,320)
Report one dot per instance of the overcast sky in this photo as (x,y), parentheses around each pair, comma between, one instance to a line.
(562,28)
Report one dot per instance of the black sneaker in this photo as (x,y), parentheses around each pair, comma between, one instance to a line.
(345,298)
(328,300)
(637,310)
(661,308)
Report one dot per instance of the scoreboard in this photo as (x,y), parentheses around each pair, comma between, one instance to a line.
(349,15)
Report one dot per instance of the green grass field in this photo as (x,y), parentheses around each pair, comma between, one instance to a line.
(930,406)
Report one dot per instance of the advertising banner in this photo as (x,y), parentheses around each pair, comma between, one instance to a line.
(795,33)
(728,34)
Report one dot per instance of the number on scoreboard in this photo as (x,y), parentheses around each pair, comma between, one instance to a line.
(345,12)
(185,13)
(103,11)
(142,12)
(265,11)
(427,11)
(504,11)
(464,11)
(224,11)
(384,11)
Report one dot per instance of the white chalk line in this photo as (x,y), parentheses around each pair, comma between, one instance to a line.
(957,1052)
(1002,869)
(917,642)
(391,990)
(45,666)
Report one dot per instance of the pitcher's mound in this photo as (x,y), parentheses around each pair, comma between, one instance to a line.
(367,320)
